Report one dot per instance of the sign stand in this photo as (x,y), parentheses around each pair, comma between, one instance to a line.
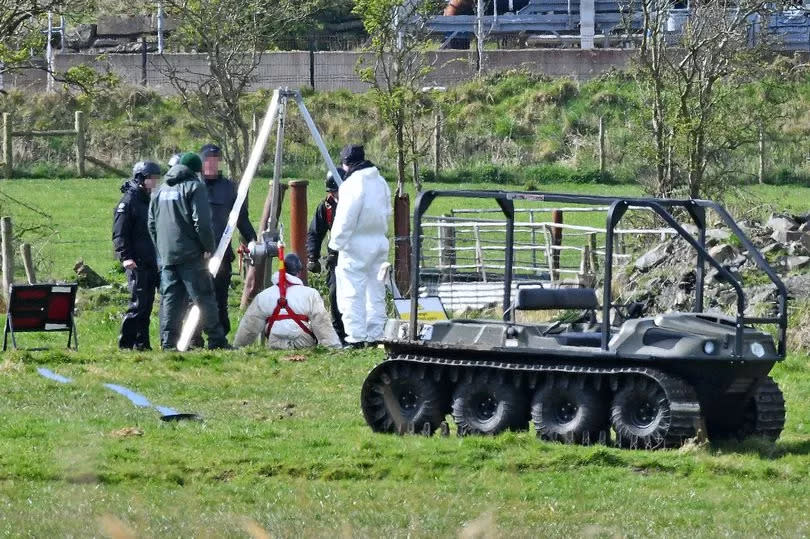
(41,308)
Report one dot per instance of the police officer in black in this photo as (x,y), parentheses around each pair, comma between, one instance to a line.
(321,224)
(222,195)
(135,250)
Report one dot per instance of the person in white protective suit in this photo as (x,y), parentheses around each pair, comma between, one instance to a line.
(359,235)
(290,314)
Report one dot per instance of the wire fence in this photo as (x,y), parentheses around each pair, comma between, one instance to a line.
(463,255)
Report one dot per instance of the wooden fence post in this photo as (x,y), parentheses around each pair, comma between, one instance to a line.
(8,159)
(28,263)
(80,143)
(592,249)
(143,61)
(556,240)
(254,128)
(437,143)
(8,255)
(761,152)
(601,145)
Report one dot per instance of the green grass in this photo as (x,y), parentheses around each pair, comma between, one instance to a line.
(80,213)
(283,445)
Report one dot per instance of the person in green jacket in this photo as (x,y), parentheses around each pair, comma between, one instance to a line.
(180,226)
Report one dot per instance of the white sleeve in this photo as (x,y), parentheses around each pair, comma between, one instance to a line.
(321,323)
(389,206)
(251,325)
(350,204)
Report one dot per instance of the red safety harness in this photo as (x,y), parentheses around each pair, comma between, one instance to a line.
(282,302)
(330,205)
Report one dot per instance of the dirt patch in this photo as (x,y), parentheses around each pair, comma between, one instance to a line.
(127,432)
(115,528)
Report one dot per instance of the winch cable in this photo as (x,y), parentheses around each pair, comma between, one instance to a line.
(166,414)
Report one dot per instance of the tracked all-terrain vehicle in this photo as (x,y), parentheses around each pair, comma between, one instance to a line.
(645,382)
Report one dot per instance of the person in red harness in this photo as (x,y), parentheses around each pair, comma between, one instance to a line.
(290,314)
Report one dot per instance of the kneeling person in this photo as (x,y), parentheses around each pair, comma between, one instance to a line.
(290,314)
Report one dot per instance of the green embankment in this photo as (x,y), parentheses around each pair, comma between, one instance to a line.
(509,128)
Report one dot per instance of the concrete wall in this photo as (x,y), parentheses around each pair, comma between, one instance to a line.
(337,70)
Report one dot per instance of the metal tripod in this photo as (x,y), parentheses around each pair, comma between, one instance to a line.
(276,110)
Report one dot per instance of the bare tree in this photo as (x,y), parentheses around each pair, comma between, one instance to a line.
(233,34)
(20,25)
(399,40)
(690,79)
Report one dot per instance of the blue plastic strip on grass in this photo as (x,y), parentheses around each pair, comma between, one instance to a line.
(138,400)
(47,373)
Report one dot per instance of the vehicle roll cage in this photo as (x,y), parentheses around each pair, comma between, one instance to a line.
(617,207)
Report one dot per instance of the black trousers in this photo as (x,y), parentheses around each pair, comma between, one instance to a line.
(142,283)
(222,284)
(337,320)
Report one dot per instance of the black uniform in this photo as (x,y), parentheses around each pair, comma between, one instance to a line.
(322,223)
(222,195)
(131,240)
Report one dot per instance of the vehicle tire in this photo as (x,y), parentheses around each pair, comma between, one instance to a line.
(640,414)
(488,405)
(402,399)
(570,412)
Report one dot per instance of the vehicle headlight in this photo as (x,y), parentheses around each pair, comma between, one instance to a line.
(709,347)
(757,349)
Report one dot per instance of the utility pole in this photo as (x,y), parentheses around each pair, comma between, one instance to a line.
(49,55)
(479,34)
(160,27)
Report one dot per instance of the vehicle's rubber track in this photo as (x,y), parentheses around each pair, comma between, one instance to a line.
(769,404)
(684,407)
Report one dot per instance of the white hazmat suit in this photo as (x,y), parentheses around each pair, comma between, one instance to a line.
(359,235)
(285,334)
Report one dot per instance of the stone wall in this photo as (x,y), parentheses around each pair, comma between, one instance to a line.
(337,70)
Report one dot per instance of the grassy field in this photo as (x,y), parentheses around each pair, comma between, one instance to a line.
(80,213)
(283,448)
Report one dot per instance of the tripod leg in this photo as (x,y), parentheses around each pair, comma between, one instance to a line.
(317,136)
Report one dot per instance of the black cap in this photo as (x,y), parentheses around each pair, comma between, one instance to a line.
(143,169)
(210,150)
(292,264)
(331,184)
(353,154)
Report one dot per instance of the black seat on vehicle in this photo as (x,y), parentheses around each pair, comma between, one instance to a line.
(539,299)
(581,338)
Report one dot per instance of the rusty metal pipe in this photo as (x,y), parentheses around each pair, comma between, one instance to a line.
(298,221)
(402,243)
